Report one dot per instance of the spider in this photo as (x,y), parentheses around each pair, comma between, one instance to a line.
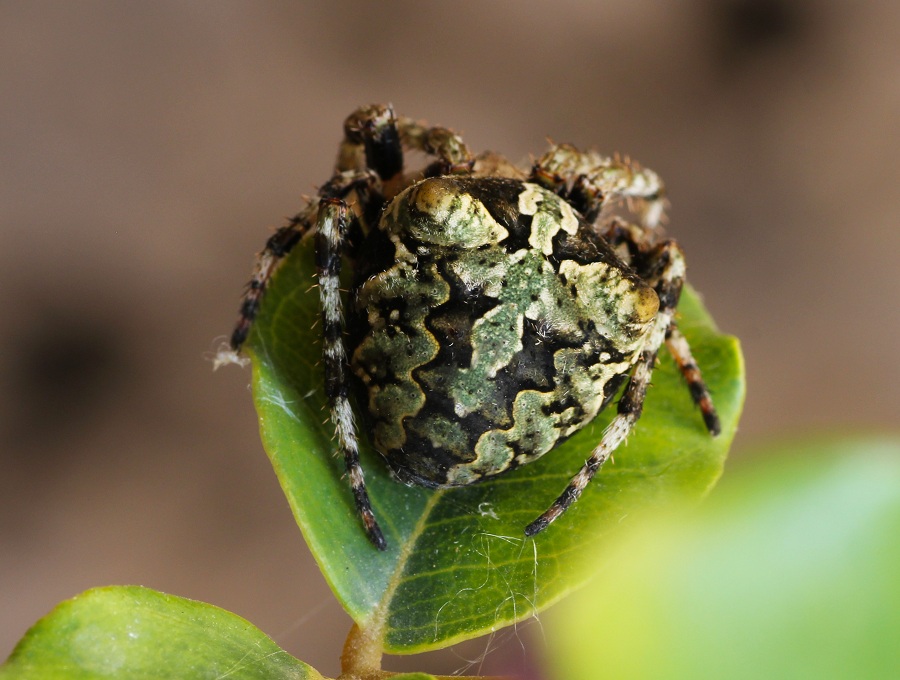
(494,311)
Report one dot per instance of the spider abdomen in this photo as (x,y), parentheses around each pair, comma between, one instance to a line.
(497,325)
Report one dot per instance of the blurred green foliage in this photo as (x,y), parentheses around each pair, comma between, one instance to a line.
(790,570)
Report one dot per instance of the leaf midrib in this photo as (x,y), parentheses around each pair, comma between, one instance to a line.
(376,625)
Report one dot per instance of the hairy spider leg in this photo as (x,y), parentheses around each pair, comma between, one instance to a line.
(375,138)
(453,156)
(590,182)
(330,214)
(277,247)
(681,352)
(639,242)
(666,270)
(371,141)
(330,239)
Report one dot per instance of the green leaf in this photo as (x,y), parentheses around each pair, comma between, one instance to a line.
(790,570)
(132,632)
(458,563)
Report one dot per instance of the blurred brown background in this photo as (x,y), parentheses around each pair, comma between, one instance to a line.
(146,150)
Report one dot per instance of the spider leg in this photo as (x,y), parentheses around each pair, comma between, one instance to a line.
(453,156)
(681,352)
(667,263)
(371,141)
(277,247)
(283,241)
(330,214)
(330,240)
(375,138)
(591,182)
(617,232)
(652,269)
(635,239)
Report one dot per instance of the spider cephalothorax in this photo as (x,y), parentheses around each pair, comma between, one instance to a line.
(494,312)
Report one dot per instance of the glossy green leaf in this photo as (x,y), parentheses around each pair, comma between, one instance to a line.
(458,563)
(136,633)
(790,570)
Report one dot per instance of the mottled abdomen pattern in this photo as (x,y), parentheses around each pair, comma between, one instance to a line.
(490,324)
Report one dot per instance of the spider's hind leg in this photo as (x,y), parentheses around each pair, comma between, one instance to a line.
(665,270)
(330,242)
(277,247)
(681,352)
(655,269)
(639,243)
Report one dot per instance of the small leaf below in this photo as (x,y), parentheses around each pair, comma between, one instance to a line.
(137,633)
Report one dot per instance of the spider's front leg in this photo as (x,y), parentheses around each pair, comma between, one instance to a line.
(375,138)
(371,141)
(453,156)
(330,240)
(665,269)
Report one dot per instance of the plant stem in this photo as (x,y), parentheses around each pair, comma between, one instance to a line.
(361,658)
